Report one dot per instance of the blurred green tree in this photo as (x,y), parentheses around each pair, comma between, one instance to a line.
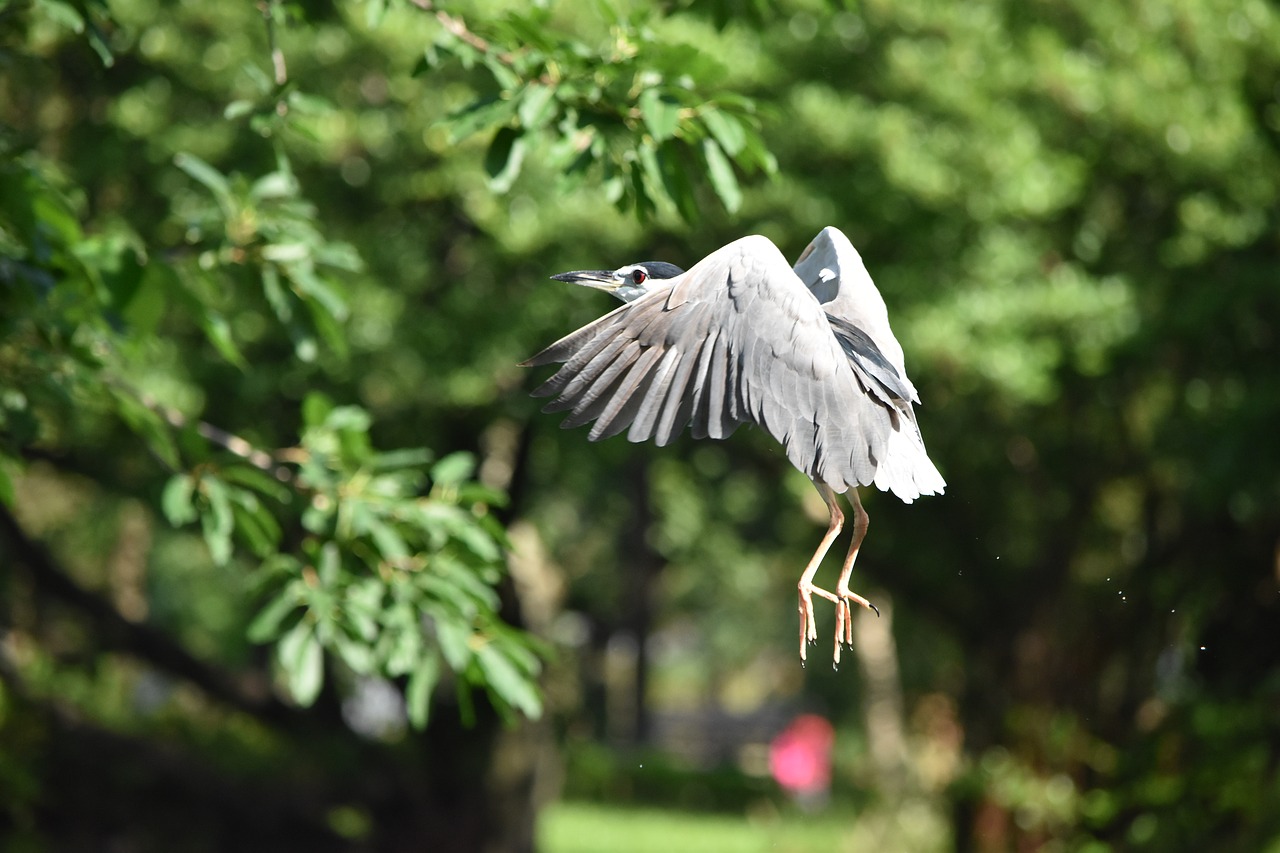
(254,257)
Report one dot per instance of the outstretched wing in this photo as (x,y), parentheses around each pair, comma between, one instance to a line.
(737,339)
(833,270)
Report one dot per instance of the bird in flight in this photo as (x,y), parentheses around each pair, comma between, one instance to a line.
(806,353)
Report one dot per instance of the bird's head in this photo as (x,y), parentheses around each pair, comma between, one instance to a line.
(627,283)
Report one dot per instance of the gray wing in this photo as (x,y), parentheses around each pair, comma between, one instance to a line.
(833,270)
(737,339)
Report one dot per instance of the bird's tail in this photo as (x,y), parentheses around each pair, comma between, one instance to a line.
(908,471)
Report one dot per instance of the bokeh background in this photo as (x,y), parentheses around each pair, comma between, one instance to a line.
(291,561)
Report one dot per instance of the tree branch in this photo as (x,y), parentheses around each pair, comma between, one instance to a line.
(137,639)
(458,28)
(268,9)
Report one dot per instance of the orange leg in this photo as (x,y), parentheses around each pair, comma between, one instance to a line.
(808,627)
(844,614)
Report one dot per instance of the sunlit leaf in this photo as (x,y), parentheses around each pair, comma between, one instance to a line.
(390,543)
(411,457)
(453,469)
(422,682)
(508,682)
(237,108)
(267,624)
(504,158)
(329,564)
(661,115)
(64,14)
(302,659)
(212,179)
(536,106)
(219,334)
(218,522)
(176,500)
(480,116)
(256,526)
(403,631)
(374,10)
(726,129)
(454,638)
(259,481)
(355,653)
(723,180)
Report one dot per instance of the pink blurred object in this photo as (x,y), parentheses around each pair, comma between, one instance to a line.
(800,756)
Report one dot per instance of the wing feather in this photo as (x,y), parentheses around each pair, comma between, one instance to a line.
(593,400)
(656,392)
(571,386)
(677,407)
(741,338)
(627,397)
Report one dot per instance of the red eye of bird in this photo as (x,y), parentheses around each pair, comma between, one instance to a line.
(638,276)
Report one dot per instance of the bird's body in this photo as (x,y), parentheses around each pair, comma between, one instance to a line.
(742,337)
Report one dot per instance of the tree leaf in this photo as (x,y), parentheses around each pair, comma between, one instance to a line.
(64,14)
(302,658)
(410,457)
(508,682)
(720,172)
(661,115)
(258,480)
(266,625)
(355,653)
(402,627)
(237,108)
(454,637)
(212,179)
(219,521)
(676,183)
(479,116)
(390,543)
(453,469)
(256,526)
(726,129)
(314,286)
(417,694)
(535,106)
(374,10)
(176,501)
(504,158)
(329,564)
(218,332)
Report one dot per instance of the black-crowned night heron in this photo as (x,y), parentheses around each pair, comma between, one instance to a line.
(805,353)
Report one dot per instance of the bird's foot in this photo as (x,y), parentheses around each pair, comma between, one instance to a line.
(808,625)
(844,618)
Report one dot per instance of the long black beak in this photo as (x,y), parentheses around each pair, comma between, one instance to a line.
(601,279)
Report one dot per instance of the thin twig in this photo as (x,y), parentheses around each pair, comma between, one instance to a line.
(269,463)
(268,9)
(458,28)
(258,458)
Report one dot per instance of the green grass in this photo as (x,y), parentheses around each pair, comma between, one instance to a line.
(596,828)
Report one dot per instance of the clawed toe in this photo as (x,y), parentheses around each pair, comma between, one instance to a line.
(844,620)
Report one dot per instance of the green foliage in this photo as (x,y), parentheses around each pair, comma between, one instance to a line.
(389,577)
(255,257)
(636,115)
(264,226)
(392,579)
